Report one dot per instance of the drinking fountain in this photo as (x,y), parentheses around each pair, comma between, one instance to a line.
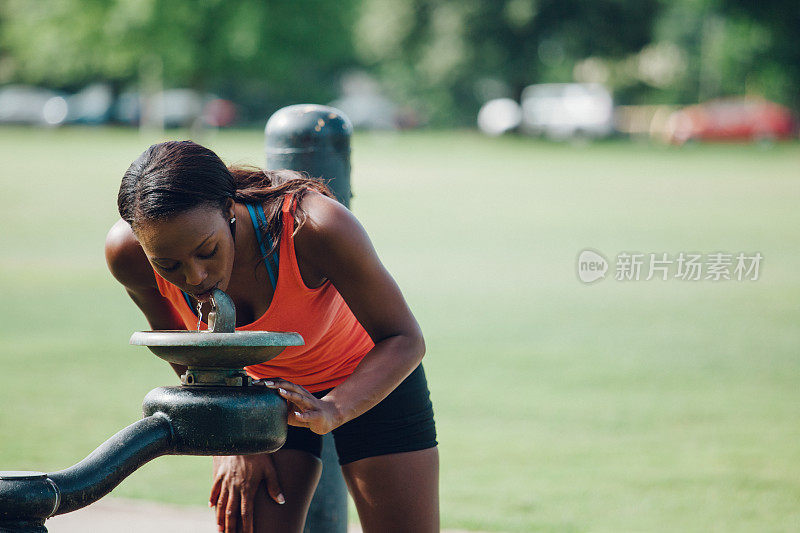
(217,410)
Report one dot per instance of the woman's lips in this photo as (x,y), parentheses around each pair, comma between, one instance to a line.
(204,296)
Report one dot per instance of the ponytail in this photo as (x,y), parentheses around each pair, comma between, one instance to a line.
(268,188)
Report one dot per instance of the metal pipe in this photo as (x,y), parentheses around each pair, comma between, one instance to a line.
(112,462)
(27,499)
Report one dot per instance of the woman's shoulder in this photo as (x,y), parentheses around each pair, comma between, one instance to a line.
(326,221)
(126,259)
(331,240)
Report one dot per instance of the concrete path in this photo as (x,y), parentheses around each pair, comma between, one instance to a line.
(133,516)
(116,515)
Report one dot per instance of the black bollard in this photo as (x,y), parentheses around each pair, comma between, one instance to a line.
(316,139)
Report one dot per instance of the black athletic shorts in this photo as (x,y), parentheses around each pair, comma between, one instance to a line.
(402,422)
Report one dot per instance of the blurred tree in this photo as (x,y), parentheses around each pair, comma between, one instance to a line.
(455,54)
(775,71)
(704,49)
(443,57)
(273,51)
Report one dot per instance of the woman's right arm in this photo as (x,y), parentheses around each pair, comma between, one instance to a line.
(129,265)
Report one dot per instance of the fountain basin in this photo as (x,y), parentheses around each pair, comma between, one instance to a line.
(216,350)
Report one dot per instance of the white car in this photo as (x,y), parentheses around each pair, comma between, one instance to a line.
(22,104)
(565,110)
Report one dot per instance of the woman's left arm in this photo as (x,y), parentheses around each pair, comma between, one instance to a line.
(333,245)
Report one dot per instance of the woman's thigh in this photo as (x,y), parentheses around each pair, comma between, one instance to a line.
(396,492)
(298,475)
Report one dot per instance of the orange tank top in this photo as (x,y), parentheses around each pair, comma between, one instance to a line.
(335,342)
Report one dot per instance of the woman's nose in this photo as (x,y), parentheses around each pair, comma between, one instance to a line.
(195,274)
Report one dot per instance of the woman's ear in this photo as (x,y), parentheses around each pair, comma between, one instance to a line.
(229,209)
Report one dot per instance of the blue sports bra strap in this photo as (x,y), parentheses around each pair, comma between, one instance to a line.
(262,219)
(257,221)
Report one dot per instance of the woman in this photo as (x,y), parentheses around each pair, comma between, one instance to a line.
(292,259)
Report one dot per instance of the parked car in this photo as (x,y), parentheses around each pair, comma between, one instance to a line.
(565,110)
(176,108)
(23,104)
(91,105)
(734,119)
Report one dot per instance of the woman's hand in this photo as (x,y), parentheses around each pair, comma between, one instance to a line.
(236,479)
(306,410)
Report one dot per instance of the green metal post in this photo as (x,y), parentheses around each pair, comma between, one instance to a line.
(316,139)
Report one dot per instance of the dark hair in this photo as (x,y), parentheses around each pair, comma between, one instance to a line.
(173,177)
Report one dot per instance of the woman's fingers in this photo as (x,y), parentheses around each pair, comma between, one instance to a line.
(293,393)
(296,418)
(287,385)
(212,499)
(247,512)
(274,490)
(235,486)
(301,400)
(232,511)
(222,504)
(306,410)
(271,479)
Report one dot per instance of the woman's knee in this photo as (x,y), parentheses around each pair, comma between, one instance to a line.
(298,475)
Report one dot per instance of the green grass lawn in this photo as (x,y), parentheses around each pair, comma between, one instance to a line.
(618,406)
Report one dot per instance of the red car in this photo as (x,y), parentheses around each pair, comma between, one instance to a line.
(743,119)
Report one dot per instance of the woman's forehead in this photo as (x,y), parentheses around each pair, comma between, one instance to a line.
(180,234)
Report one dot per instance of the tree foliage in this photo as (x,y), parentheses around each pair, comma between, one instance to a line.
(776,61)
(287,50)
(442,56)
(457,53)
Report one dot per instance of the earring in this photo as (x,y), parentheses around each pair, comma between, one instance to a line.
(233,219)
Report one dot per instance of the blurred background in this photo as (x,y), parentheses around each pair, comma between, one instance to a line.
(495,140)
(559,68)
